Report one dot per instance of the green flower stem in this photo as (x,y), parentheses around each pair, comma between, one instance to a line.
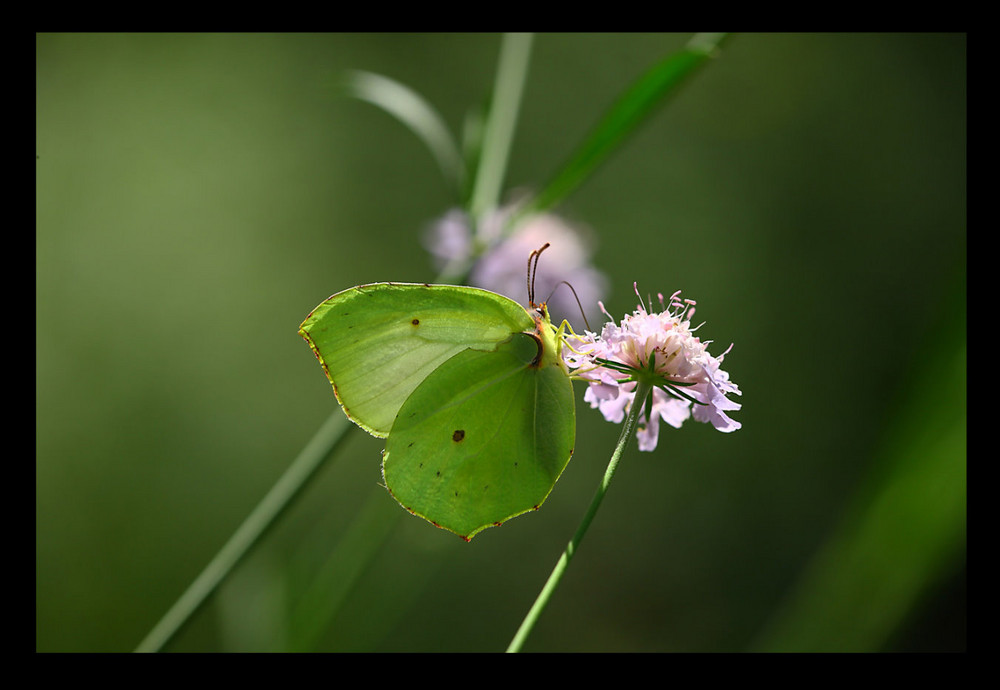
(249,533)
(512,70)
(642,389)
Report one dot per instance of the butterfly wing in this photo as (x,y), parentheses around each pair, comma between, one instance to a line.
(378,342)
(483,439)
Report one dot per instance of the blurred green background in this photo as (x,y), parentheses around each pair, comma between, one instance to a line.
(197,195)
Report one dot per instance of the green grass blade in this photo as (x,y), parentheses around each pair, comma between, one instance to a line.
(625,116)
(415,112)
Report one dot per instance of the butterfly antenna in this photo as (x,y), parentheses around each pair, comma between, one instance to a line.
(532,270)
(575,296)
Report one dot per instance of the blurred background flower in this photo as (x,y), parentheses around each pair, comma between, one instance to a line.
(500,260)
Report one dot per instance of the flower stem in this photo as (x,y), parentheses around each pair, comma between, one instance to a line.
(550,585)
(515,51)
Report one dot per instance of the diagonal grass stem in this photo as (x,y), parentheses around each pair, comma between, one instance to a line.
(323,443)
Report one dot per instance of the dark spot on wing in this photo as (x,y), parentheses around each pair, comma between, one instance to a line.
(458,435)
(415,322)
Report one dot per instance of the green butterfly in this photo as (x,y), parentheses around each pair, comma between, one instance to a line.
(467,387)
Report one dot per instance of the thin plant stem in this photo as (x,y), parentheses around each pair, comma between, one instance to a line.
(515,52)
(323,443)
(512,71)
(535,612)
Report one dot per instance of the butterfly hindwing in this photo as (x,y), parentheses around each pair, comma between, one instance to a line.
(483,439)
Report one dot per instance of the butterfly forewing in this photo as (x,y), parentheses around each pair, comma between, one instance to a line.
(378,342)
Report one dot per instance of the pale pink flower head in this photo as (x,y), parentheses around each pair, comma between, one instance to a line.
(501,260)
(662,348)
